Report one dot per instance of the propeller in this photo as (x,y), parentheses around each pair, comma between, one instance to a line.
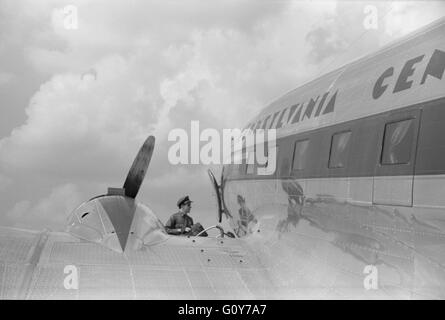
(139,168)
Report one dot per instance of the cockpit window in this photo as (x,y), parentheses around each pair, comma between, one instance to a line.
(91,219)
(96,221)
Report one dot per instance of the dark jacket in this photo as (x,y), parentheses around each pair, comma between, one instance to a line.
(176,221)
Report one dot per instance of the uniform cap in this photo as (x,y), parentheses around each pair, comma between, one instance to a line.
(183,200)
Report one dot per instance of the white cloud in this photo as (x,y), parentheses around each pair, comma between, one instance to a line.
(76,122)
(341,36)
(405,17)
(50,212)
(79,126)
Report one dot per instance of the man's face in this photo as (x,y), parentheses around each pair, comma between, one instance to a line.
(186,207)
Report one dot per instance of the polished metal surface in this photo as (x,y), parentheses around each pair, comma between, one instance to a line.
(327,244)
(178,268)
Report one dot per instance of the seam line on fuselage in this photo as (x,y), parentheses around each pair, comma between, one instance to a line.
(25,285)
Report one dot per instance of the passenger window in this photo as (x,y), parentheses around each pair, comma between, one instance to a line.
(339,149)
(397,143)
(300,151)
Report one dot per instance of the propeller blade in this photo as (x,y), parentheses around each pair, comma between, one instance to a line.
(139,168)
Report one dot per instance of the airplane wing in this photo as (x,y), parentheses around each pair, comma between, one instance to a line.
(56,265)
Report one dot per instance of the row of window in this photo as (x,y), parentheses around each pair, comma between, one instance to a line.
(397,142)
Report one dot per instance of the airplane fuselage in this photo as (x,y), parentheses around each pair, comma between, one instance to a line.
(356,206)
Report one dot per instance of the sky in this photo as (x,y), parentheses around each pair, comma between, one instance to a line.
(77,100)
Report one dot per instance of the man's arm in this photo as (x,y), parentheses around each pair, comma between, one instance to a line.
(170,227)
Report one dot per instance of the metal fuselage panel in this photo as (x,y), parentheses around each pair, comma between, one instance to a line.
(179,268)
(56,265)
(323,220)
(317,234)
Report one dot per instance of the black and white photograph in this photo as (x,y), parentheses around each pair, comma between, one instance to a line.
(227,150)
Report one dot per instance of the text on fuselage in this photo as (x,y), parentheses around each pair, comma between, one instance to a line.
(298,112)
(435,68)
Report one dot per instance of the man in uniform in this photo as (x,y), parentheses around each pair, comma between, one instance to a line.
(181,223)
